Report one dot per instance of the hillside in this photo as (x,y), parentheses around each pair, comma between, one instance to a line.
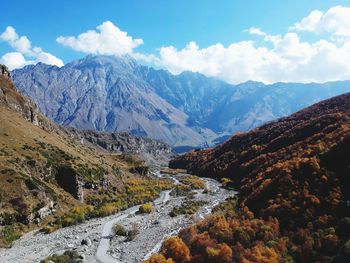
(116,94)
(292,174)
(50,180)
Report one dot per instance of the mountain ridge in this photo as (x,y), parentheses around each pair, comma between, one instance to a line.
(291,176)
(133,106)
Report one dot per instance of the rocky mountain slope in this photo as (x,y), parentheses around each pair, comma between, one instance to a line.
(294,170)
(102,93)
(117,94)
(13,100)
(151,151)
(48,179)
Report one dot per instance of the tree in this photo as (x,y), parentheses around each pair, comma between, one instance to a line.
(175,248)
(221,254)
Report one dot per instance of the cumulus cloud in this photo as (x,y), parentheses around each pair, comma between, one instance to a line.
(267,37)
(309,23)
(22,44)
(281,58)
(334,21)
(108,39)
(14,60)
(289,60)
(24,53)
(278,58)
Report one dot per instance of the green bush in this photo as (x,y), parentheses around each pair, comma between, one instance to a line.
(68,256)
(189,207)
(133,232)
(344,226)
(120,230)
(181,190)
(8,234)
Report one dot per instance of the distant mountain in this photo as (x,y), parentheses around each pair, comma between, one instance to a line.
(187,110)
(294,171)
(104,94)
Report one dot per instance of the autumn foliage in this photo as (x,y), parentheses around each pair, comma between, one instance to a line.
(220,240)
(293,175)
(176,249)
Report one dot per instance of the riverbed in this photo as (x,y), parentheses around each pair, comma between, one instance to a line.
(102,245)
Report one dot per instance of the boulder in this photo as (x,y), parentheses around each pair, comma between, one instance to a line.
(86,242)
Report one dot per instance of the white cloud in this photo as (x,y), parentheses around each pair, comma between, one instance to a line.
(284,58)
(335,21)
(107,40)
(14,60)
(267,37)
(25,54)
(309,23)
(21,44)
(48,58)
(288,60)
(9,35)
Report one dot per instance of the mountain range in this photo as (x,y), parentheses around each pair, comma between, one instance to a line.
(188,110)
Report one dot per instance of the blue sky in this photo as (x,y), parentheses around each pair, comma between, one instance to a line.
(164,24)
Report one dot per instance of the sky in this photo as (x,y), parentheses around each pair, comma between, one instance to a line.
(236,41)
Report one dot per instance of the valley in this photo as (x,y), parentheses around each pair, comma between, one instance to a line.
(91,196)
(175,131)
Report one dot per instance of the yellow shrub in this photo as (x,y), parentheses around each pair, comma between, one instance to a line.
(225,181)
(146,208)
(194,182)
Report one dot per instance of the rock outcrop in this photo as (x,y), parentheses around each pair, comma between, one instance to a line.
(153,152)
(10,97)
(5,72)
(70,181)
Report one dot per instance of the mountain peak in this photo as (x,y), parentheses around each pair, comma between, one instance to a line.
(123,62)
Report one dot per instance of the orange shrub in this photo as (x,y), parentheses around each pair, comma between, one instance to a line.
(176,249)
